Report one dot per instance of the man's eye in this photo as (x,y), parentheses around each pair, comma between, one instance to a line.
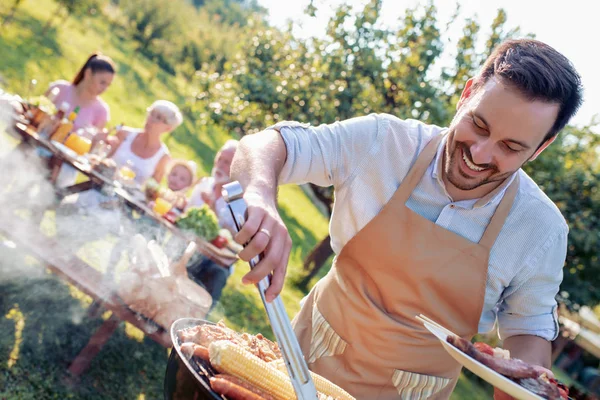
(476,124)
(507,147)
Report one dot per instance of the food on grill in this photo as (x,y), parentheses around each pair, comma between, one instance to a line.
(195,350)
(321,384)
(258,345)
(233,390)
(231,383)
(529,376)
(227,357)
(250,367)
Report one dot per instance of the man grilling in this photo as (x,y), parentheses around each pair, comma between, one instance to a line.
(438,221)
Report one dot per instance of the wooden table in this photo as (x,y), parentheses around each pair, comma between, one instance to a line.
(68,266)
(225,257)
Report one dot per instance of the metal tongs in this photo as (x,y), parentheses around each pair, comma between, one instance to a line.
(280,323)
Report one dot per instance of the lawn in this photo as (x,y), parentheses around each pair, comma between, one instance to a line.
(43,321)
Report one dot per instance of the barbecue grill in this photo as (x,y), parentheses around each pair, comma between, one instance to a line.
(189,378)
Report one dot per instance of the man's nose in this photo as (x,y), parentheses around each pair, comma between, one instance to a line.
(482,152)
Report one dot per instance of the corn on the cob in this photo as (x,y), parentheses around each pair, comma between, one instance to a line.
(322,385)
(230,358)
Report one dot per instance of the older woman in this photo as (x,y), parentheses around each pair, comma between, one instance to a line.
(143,149)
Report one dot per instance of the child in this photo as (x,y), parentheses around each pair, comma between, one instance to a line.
(181,176)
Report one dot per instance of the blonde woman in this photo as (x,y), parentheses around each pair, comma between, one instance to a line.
(143,149)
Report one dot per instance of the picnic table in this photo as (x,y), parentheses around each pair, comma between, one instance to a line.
(96,181)
(68,266)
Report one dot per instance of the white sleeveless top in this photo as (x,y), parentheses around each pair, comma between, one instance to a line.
(143,167)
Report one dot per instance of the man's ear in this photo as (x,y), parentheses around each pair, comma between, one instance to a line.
(542,148)
(466,93)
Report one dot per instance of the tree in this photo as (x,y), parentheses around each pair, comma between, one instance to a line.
(11,14)
(72,7)
(569,173)
(151,21)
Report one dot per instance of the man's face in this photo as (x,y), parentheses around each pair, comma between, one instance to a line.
(495,131)
(222,165)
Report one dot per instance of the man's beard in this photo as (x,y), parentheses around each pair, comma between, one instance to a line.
(220,176)
(458,178)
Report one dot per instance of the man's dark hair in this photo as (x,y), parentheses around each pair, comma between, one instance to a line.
(539,72)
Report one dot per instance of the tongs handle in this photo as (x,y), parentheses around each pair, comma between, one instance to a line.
(280,323)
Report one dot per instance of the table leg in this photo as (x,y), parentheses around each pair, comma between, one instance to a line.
(76,188)
(95,344)
(55,164)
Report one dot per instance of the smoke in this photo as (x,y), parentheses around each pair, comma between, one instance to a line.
(90,225)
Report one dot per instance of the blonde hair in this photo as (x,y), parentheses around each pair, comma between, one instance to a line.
(168,110)
(189,165)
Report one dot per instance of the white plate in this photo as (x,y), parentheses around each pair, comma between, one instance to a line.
(485,373)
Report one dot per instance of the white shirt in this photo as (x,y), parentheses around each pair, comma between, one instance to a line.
(143,167)
(367,158)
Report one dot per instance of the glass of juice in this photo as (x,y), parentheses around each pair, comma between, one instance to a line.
(80,145)
(161,206)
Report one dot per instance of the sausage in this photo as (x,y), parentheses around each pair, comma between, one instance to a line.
(231,390)
(190,349)
(246,385)
(513,368)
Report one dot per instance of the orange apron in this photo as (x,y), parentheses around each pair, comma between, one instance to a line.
(357,326)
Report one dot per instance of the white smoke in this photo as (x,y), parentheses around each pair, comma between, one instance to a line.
(90,225)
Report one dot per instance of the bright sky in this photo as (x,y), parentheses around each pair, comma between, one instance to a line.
(568,26)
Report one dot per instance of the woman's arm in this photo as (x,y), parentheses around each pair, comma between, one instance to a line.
(116,140)
(161,167)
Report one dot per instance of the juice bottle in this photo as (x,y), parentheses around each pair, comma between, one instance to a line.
(65,127)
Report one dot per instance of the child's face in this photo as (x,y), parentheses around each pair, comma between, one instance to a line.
(179,178)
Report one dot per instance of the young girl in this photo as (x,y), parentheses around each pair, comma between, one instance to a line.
(181,176)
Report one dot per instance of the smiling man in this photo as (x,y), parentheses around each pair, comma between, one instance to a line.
(439,221)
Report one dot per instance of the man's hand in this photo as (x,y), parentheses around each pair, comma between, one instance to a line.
(265,232)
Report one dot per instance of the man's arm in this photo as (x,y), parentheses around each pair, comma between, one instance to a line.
(257,163)
(325,155)
(531,349)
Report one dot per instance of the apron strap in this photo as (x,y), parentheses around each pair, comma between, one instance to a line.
(493,229)
(417,171)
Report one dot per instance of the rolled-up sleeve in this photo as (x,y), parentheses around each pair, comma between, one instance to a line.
(529,307)
(325,155)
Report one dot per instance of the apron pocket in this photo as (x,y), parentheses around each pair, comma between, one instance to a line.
(412,386)
(325,341)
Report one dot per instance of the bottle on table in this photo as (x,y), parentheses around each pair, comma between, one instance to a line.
(65,127)
(51,122)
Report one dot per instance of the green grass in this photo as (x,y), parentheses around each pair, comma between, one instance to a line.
(43,321)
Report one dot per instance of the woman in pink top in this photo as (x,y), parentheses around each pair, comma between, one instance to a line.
(94,77)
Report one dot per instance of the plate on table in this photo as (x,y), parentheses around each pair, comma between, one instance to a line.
(489,375)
